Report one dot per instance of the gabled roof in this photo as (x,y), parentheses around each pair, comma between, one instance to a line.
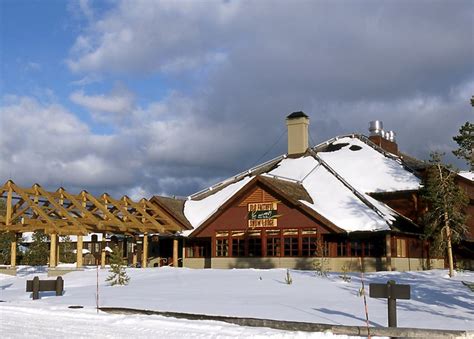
(333,180)
(174,207)
(294,193)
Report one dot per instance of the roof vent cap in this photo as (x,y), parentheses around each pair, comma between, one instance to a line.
(376,128)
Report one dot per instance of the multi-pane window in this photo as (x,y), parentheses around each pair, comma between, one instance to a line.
(222,244)
(341,249)
(309,243)
(356,248)
(273,243)
(255,247)
(290,241)
(238,247)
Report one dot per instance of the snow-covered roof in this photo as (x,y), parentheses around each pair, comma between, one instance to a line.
(331,198)
(338,176)
(467,174)
(198,211)
(367,169)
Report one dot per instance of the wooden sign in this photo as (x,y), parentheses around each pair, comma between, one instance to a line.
(262,214)
(392,292)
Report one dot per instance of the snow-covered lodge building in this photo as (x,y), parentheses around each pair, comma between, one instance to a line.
(351,201)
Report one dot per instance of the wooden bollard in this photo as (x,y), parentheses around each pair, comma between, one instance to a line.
(59,286)
(36,288)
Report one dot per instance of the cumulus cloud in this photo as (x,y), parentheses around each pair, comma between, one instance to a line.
(120,100)
(238,68)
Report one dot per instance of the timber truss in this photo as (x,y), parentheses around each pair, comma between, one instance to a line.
(63,213)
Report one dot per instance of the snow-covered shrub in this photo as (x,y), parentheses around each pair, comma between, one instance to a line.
(288,278)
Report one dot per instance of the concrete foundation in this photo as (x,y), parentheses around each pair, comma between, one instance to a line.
(304,263)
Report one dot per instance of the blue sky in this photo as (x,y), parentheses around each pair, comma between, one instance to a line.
(166,97)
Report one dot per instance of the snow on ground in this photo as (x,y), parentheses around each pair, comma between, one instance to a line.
(438,302)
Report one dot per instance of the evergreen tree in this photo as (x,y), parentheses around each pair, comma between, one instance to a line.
(465,140)
(66,250)
(118,275)
(5,247)
(38,251)
(445,218)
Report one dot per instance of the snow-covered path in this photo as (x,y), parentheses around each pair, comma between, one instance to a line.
(59,322)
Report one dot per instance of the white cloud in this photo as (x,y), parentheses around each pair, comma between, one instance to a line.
(120,100)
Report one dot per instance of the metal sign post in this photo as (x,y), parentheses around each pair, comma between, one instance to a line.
(392,292)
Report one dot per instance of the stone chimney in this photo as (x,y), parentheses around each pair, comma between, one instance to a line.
(297,123)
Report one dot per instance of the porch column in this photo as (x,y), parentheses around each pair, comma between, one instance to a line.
(102,252)
(57,249)
(134,251)
(388,248)
(13,252)
(53,250)
(145,250)
(79,247)
(175,252)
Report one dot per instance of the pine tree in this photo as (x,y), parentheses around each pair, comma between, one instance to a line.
(118,275)
(445,218)
(66,250)
(38,251)
(465,140)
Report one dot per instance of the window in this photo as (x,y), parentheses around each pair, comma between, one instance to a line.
(197,250)
(273,243)
(309,242)
(222,244)
(401,248)
(238,247)
(356,248)
(341,249)
(222,247)
(368,249)
(290,242)
(255,247)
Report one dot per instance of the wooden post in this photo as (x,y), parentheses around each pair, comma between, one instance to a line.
(13,252)
(57,249)
(79,247)
(52,250)
(134,251)
(8,215)
(175,252)
(36,288)
(102,252)
(388,247)
(145,250)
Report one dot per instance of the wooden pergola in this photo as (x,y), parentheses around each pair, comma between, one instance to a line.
(62,213)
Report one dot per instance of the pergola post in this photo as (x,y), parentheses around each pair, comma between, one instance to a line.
(175,252)
(13,252)
(103,252)
(79,247)
(52,250)
(388,248)
(145,250)
(57,249)
(134,252)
